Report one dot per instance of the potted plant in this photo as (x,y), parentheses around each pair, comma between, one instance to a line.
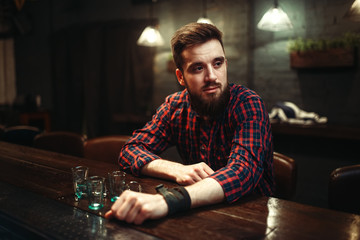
(322,53)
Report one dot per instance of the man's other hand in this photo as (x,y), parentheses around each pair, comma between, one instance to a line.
(190,174)
(135,207)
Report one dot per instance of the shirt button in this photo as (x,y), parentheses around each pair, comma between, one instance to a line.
(202,147)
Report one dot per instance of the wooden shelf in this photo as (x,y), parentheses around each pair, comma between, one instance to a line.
(337,57)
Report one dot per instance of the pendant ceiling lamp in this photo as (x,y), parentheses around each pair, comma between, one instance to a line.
(275,19)
(151,36)
(204,18)
(353,13)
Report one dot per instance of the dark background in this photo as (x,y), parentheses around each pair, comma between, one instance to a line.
(80,56)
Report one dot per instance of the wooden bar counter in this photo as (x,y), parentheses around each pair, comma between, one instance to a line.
(36,199)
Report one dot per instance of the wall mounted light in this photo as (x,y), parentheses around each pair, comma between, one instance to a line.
(151,36)
(275,19)
(204,18)
(353,13)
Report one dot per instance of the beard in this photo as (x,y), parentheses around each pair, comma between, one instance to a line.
(212,107)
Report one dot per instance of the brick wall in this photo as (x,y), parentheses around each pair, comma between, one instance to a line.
(330,92)
(257,59)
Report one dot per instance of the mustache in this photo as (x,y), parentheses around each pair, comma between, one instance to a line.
(211,85)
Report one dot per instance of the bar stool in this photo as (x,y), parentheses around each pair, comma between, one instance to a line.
(285,174)
(105,148)
(2,131)
(61,142)
(344,189)
(21,134)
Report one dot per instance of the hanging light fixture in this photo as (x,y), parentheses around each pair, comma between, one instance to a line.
(275,19)
(151,36)
(204,18)
(353,13)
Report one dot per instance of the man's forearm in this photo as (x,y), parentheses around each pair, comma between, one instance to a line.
(205,192)
(182,174)
(161,168)
(202,190)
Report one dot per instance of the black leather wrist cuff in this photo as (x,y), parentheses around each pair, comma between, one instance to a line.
(177,199)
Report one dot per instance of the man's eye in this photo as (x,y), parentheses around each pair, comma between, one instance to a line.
(218,63)
(197,68)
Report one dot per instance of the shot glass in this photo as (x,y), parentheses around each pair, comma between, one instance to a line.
(134,186)
(80,175)
(95,185)
(116,184)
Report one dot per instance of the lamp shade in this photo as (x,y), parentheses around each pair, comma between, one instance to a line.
(275,19)
(354,12)
(150,37)
(205,20)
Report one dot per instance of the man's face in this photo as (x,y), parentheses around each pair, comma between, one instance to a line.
(205,76)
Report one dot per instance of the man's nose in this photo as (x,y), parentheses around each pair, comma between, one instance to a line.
(210,74)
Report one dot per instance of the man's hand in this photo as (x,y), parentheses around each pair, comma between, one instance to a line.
(135,207)
(182,174)
(190,174)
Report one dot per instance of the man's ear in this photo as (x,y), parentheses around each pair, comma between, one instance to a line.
(180,77)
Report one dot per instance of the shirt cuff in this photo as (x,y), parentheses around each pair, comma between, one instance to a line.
(141,161)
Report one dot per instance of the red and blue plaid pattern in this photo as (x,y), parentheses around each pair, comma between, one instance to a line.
(237,145)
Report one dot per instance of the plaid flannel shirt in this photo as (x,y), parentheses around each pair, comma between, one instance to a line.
(237,145)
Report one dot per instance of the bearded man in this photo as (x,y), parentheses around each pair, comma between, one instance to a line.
(221,131)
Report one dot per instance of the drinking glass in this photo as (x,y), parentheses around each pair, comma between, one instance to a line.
(80,174)
(116,184)
(95,185)
(134,186)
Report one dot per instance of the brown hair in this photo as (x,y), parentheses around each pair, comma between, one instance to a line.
(190,35)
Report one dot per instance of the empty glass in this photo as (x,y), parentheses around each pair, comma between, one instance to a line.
(134,186)
(96,187)
(80,175)
(116,184)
